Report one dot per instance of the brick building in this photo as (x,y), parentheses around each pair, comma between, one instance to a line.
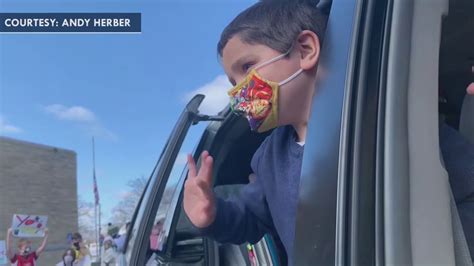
(41,180)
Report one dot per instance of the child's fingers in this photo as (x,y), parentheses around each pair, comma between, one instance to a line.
(203,189)
(206,170)
(204,155)
(191,166)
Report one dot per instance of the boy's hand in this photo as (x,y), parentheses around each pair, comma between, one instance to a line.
(199,200)
(470,89)
(46,231)
(9,232)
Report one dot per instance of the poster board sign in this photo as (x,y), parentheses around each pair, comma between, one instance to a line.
(29,225)
(3,253)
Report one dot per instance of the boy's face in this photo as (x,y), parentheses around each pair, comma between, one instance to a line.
(239,57)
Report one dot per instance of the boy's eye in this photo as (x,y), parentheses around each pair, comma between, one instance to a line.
(246,67)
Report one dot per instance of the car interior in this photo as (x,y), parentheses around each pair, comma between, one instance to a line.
(456,109)
(234,145)
(233,148)
(456,61)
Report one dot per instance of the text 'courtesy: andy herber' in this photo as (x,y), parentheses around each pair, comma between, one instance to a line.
(70,23)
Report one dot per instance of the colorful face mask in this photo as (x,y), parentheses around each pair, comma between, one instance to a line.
(257,98)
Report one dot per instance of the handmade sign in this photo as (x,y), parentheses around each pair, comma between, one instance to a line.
(29,225)
(3,253)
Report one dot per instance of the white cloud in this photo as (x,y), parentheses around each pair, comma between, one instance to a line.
(73,113)
(216,95)
(6,127)
(83,117)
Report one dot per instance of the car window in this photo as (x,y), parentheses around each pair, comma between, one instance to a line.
(164,214)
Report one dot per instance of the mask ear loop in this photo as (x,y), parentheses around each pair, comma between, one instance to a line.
(270,61)
(290,78)
(274,59)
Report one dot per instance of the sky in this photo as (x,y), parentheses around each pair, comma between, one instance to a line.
(126,91)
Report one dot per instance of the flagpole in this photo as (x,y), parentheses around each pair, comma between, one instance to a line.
(100,230)
(95,197)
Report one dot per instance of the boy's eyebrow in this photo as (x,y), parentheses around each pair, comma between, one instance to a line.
(240,61)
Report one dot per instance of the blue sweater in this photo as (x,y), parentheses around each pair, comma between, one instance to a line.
(269,204)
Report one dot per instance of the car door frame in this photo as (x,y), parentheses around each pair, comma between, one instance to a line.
(318,236)
(135,253)
(417,210)
(350,234)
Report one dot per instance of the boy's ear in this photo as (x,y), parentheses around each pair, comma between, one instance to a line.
(308,48)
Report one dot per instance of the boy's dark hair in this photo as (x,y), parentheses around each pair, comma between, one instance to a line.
(275,23)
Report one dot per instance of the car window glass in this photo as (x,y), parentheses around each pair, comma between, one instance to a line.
(164,214)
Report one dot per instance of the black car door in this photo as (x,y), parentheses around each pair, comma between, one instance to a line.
(337,202)
(137,249)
